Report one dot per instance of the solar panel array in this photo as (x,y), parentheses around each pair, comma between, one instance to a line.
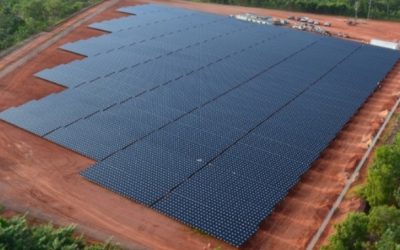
(204,118)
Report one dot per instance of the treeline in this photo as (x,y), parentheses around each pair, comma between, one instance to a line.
(17,234)
(20,19)
(379,227)
(380,9)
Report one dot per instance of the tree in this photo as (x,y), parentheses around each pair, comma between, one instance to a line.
(384,176)
(387,7)
(33,10)
(351,234)
(369,9)
(35,15)
(356,7)
(9,26)
(390,239)
(383,218)
(55,9)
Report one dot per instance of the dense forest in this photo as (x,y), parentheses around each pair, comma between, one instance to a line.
(378,227)
(380,9)
(20,19)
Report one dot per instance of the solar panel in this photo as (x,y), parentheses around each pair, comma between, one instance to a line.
(204,118)
(133,36)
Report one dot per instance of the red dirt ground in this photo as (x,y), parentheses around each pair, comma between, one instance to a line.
(41,177)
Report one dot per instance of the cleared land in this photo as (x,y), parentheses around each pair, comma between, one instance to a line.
(43,178)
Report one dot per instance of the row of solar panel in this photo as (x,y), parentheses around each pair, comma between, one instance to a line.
(105,43)
(221,24)
(196,33)
(168,45)
(146,9)
(80,72)
(129,22)
(121,41)
(90,69)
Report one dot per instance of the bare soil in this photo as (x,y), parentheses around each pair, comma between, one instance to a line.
(43,178)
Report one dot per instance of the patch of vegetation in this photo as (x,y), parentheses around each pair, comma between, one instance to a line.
(20,19)
(379,228)
(380,9)
(383,180)
(351,233)
(17,234)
